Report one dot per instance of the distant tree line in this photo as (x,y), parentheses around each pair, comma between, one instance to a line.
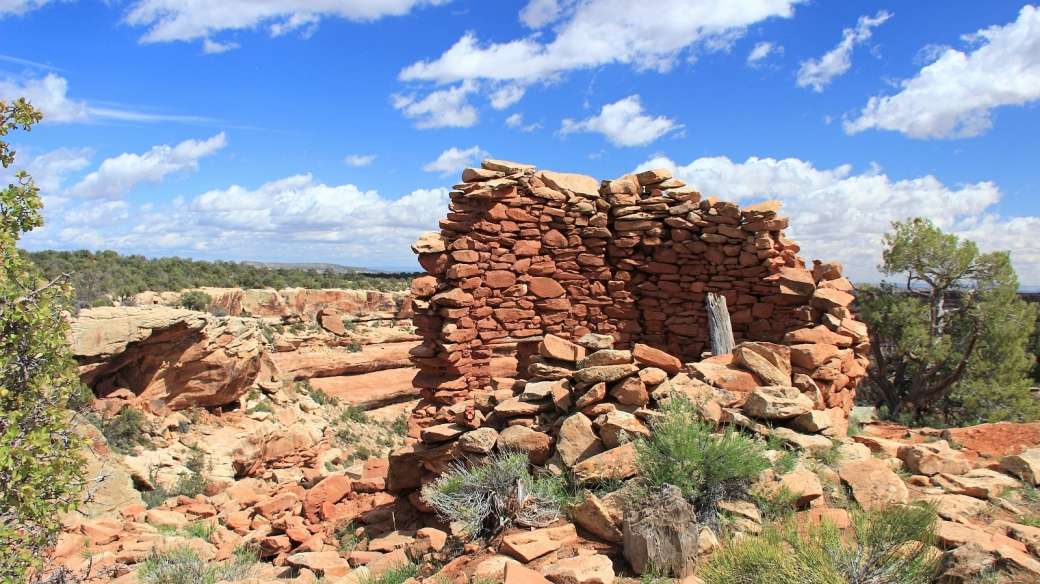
(97,274)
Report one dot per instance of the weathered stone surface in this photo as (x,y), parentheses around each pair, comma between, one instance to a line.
(182,357)
(652,357)
(725,377)
(594,516)
(1025,465)
(812,422)
(505,166)
(606,357)
(545,288)
(518,574)
(618,463)
(933,458)
(594,395)
(619,427)
(873,483)
(481,440)
(660,533)
(594,342)
(749,356)
(630,391)
(980,483)
(606,373)
(777,403)
(442,432)
(811,356)
(430,243)
(595,569)
(531,545)
(577,440)
(578,184)
(554,347)
(523,439)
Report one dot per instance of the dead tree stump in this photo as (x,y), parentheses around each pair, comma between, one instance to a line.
(660,533)
(719,326)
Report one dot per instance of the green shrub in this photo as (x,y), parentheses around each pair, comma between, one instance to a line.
(182,565)
(189,485)
(196,300)
(400,426)
(98,302)
(297,328)
(122,431)
(887,545)
(41,460)
(355,414)
(200,529)
(321,398)
(354,347)
(708,467)
(218,311)
(496,495)
(261,406)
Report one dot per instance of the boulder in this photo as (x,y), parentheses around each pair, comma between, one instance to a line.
(652,357)
(811,422)
(617,463)
(980,483)
(531,545)
(660,533)
(594,516)
(606,357)
(619,427)
(606,373)
(323,564)
(515,573)
(553,347)
(577,440)
(597,569)
(630,391)
(1025,465)
(480,441)
(933,458)
(777,403)
(873,483)
(523,439)
(751,359)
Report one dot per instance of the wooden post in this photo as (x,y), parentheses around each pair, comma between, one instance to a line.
(718,325)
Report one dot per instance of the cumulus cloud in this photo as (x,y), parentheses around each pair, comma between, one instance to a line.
(506,96)
(19,6)
(761,51)
(446,108)
(49,170)
(49,96)
(820,72)
(516,121)
(116,176)
(454,160)
(282,220)
(623,123)
(651,34)
(954,96)
(356,160)
(838,215)
(211,47)
(185,20)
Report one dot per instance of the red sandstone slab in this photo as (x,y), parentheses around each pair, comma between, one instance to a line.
(304,364)
(370,389)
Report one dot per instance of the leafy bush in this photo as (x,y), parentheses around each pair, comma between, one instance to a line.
(354,347)
(355,414)
(98,302)
(708,467)
(497,495)
(182,565)
(200,529)
(196,300)
(400,426)
(122,431)
(218,311)
(888,545)
(321,398)
(41,461)
(189,485)
(394,574)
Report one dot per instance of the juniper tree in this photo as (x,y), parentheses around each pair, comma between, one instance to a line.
(40,462)
(951,339)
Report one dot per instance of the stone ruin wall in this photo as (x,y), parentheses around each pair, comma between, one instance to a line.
(523,253)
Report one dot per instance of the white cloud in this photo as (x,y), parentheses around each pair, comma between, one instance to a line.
(49,170)
(454,160)
(185,20)
(506,96)
(446,108)
(357,160)
(48,96)
(837,215)
(953,96)
(761,51)
(281,220)
(116,176)
(516,121)
(213,47)
(645,34)
(624,124)
(19,6)
(837,61)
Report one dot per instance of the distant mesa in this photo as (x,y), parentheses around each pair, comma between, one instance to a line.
(336,268)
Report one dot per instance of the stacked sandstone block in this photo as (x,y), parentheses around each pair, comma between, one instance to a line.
(523,254)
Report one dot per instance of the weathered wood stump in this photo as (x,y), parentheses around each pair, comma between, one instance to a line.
(660,533)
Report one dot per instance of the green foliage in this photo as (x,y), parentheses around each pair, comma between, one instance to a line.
(354,346)
(1034,348)
(355,414)
(777,506)
(400,426)
(889,545)
(189,485)
(200,529)
(182,565)
(951,342)
(683,451)
(786,462)
(321,398)
(41,465)
(196,300)
(122,431)
(345,533)
(98,302)
(125,275)
(496,495)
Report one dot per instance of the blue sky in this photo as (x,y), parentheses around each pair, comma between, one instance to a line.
(332,130)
